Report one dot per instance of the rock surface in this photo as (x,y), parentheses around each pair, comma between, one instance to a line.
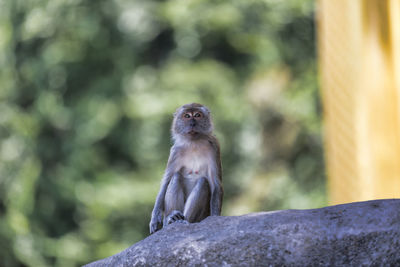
(355,234)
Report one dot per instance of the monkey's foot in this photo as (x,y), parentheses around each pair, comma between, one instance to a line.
(182,221)
(175,216)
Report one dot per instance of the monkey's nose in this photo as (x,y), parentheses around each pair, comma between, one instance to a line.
(192,123)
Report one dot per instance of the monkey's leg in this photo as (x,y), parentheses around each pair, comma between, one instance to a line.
(197,205)
(174,201)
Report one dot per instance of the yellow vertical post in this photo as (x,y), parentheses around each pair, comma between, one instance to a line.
(359,57)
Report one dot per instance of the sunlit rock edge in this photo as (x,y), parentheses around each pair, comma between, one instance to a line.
(361,233)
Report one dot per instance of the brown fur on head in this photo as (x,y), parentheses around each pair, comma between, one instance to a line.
(192,121)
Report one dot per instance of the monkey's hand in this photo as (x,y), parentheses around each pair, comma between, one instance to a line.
(155,222)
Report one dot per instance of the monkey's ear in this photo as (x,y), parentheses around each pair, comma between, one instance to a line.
(205,110)
(176,112)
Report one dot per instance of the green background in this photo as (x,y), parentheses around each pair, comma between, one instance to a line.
(87,92)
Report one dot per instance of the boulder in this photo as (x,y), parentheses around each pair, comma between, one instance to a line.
(354,234)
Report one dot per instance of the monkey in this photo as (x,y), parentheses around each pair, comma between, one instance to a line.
(191,188)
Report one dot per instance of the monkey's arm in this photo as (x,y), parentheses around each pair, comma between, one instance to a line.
(216,200)
(157,213)
(218,192)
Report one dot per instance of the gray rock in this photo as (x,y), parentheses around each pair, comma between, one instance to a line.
(355,234)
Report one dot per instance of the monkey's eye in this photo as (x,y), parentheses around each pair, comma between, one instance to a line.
(187,115)
(197,115)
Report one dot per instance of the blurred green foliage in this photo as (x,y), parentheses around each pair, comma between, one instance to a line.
(87,89)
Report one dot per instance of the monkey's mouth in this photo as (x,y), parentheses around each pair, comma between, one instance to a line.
(192,132)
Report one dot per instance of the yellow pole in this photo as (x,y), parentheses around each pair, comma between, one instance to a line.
(359,57)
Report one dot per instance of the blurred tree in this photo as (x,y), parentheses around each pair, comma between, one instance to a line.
(87,93)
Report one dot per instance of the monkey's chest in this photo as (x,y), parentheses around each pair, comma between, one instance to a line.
(196,164)
(195,167)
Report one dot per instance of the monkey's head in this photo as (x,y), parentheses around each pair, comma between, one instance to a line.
(192,121)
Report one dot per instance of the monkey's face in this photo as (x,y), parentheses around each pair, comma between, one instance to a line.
(192,120)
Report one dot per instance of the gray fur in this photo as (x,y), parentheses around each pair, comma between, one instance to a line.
(192,184)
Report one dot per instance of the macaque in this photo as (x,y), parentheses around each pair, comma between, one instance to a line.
(191,188)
